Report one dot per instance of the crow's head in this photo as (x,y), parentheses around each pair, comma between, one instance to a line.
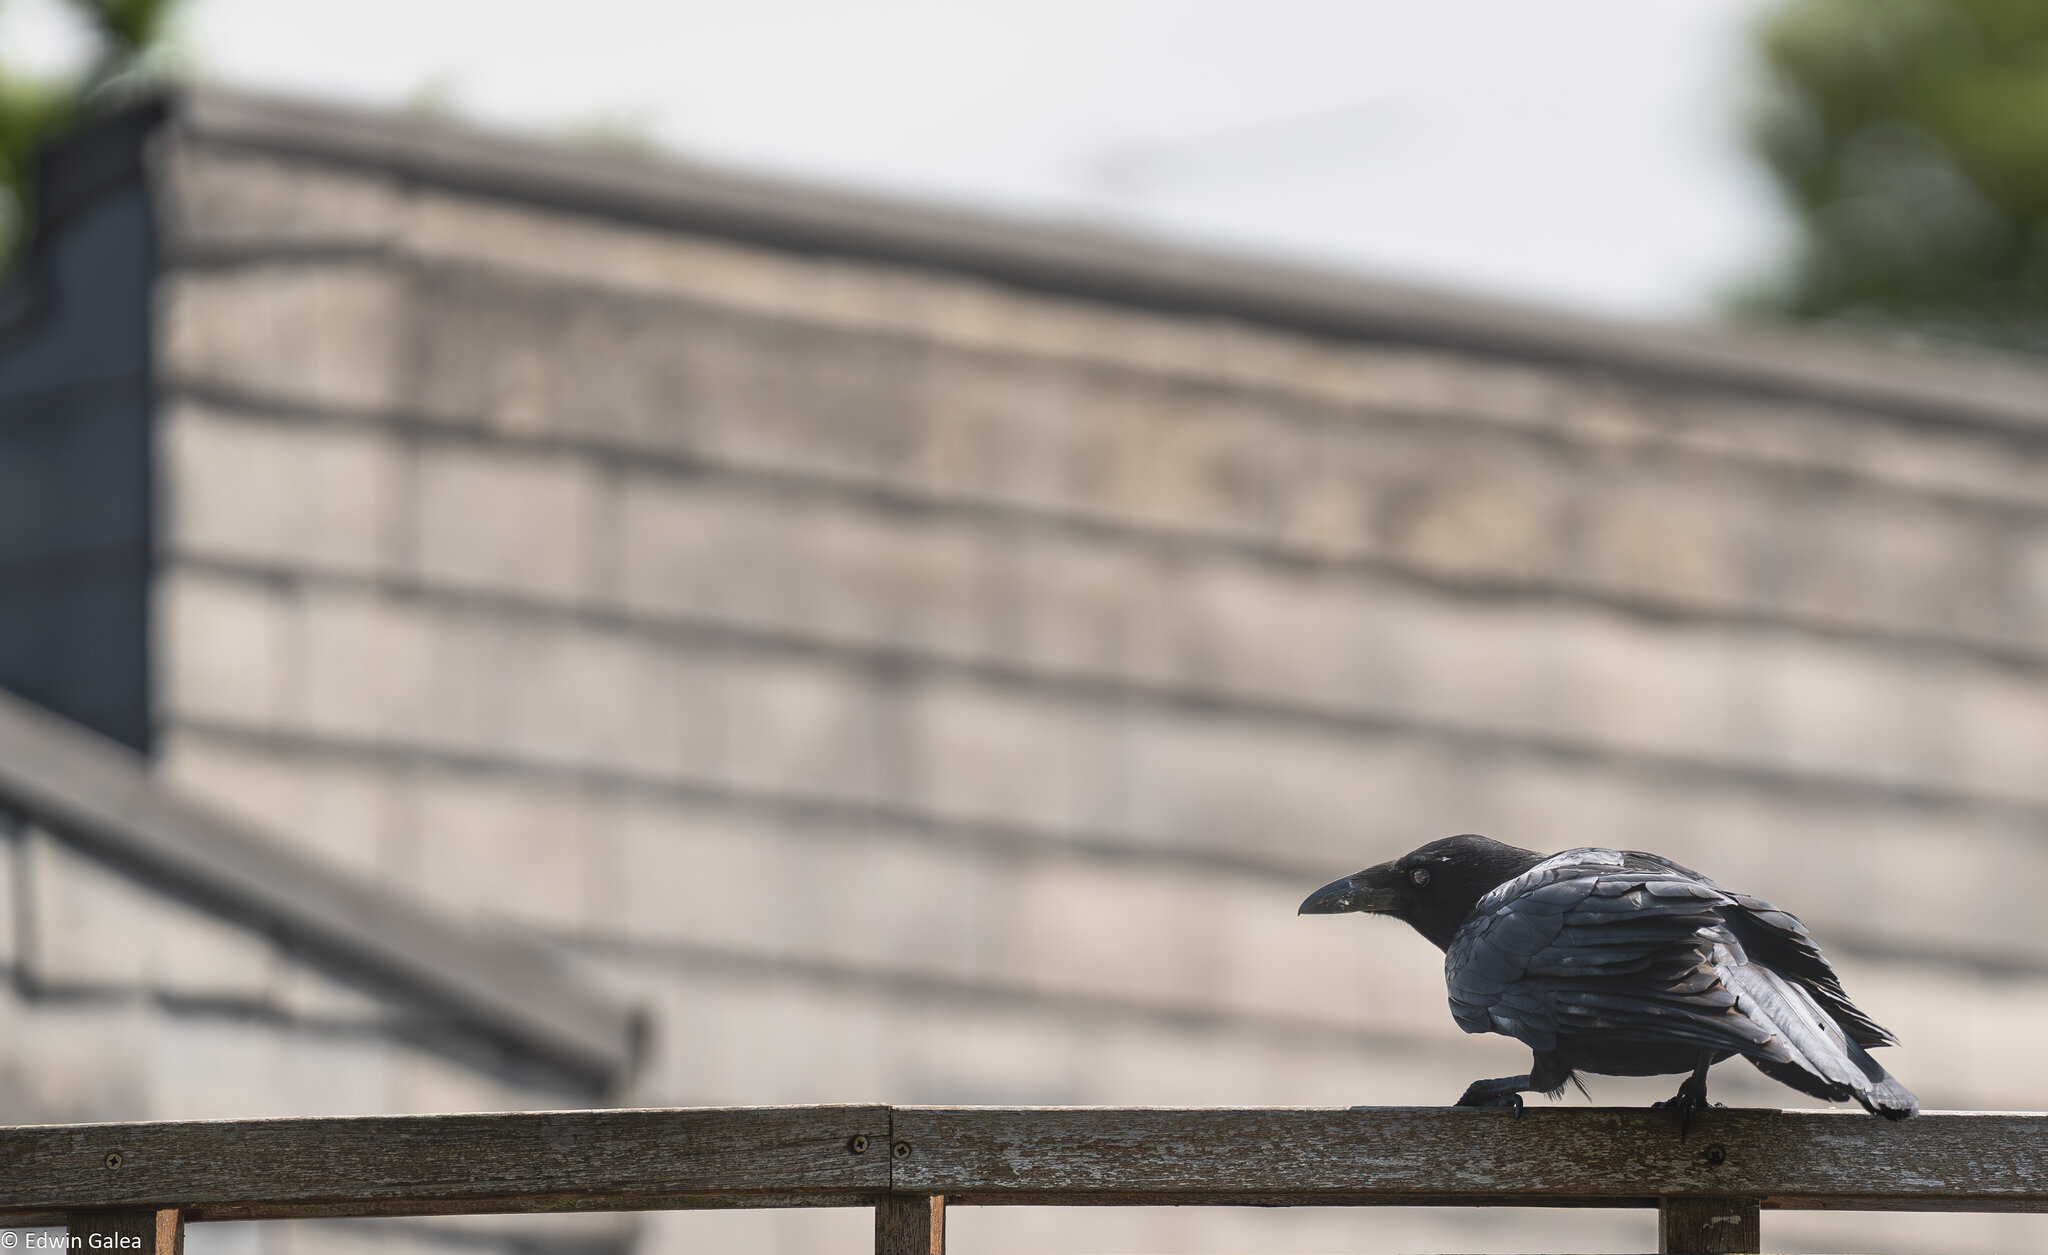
(1434,888)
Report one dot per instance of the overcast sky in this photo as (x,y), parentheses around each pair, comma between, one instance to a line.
(1583,153)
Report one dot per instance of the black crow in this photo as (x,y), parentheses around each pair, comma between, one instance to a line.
(1624,964)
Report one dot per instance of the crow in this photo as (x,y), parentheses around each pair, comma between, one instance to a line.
(1624,964)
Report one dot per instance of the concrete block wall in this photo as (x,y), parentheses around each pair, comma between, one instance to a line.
(927,691)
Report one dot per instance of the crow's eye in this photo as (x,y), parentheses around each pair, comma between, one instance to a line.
(1420,876)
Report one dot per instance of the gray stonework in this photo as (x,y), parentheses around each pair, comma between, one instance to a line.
(915,681)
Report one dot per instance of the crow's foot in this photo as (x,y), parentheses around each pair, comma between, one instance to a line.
(1505,1091)
(1512,1101)
(1691,1097)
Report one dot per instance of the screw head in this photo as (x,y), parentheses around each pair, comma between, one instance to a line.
(1717,1154)
(858,1144)
(113,1159)
(901,1150)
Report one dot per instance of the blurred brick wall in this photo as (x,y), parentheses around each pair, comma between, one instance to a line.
(926,691)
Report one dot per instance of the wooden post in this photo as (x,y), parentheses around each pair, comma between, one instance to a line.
(130,1231)
(910,1224)
(1708,1226)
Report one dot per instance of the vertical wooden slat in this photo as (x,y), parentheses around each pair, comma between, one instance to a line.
(910,1224)
(129,1231)
(1708,1226)
(170,1232)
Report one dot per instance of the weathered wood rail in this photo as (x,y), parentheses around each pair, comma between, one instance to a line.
(144,1181)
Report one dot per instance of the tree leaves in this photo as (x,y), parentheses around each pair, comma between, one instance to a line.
(34,111)
(1910,139)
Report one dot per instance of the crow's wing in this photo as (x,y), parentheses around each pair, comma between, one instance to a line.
(1597,942)
(1779,941)
(1624,947)
(1776,939)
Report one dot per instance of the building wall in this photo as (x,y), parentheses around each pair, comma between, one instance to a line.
(921,690)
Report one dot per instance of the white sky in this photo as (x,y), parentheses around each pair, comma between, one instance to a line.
(1573,152)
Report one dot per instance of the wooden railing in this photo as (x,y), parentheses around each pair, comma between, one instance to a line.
(139,1183)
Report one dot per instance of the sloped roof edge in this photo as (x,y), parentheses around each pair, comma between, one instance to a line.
(101,796)
(1954,386)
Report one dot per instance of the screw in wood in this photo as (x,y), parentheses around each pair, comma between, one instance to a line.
(1717,1154)
(113,1159)
(902,1150)
(859,1144)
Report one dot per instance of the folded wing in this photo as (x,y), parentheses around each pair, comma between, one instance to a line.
(1601,952)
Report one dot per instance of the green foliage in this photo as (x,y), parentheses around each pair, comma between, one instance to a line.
(33,111)
(1910,138)
(29,111)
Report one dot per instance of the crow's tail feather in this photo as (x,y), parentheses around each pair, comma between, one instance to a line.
(1890,1099)
(1808,1049)
(1882,1095)
(1885,1096)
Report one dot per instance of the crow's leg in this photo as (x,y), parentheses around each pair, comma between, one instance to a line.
(1691,1095)
(1550,1073)
(1547,1072)
(1501,1091)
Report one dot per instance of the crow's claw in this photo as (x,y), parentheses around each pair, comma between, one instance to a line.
(1481,1094)
(1691,1097)
(1496,1100)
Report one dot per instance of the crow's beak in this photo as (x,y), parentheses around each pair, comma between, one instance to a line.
(1371,891)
